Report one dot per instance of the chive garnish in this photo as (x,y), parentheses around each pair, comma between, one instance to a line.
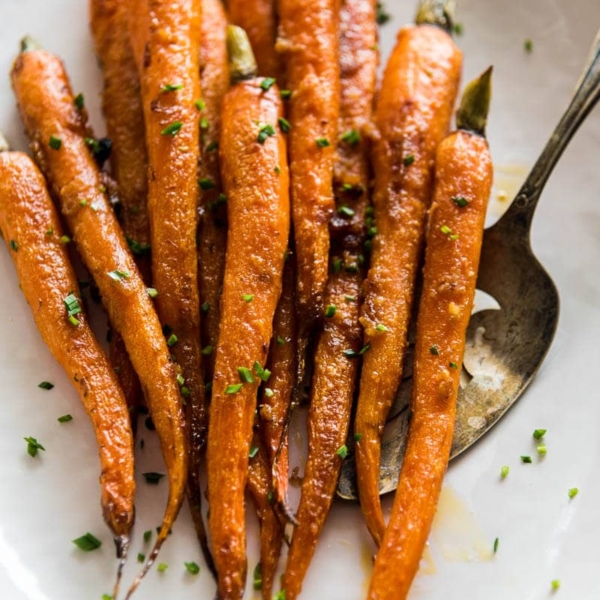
(245,375)
(346,211)
(284,125)
(172,340)
(200,104)
(264,132)
(267,83)
(322,142)
(171,87)
(330,311)
(162,567)
(496,544)
(262,373)
(526,459)
(87,542)
(460,201)
(206,184)
(118,275)
(13,245)
(434,350)
(352,137)
(257,580)
(247,297)
(55,142)
(33,446)
(79,101)
(45,385)
(504,470)
(573,492)
(538,434)
(233,389)
(152,292)
(152,478)
(65,419)
(172,129)
(192,568)
(342,451)
(358,437)
(409,160)
(253,452)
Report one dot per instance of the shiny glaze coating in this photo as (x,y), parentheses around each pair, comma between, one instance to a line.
(122,109)
(212,231)
(46,278)
(463,170)
(258,19)
(412,115)
(255,179)
(47,108)
(335,374)
(308,45)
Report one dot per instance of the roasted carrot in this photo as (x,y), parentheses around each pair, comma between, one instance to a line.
(412,114)
(57,131)
(165,37)
(276,399)
(212,232)
(339,344)
(122,108)
(271,529)
(463,180)
(258,18)
(255,179)
(308,45)
(32,231)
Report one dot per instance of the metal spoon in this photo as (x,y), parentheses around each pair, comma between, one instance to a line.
(505,346)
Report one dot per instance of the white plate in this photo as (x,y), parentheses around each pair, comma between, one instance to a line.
(48,501)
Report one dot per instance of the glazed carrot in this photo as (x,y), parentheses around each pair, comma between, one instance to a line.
(122,108)
(57,132)
(258,18)
(413,112)
(255,178)
(271,530)
(32,231)
(276,399)
(463,180)
(212,233)
(165,37)
(339,344)
(308,44)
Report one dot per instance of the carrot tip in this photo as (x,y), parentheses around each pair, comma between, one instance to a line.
(28,44)
(436,12)
(475,104)
(4,145)
(242,64)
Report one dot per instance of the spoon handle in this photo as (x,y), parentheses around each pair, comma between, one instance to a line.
(586,94)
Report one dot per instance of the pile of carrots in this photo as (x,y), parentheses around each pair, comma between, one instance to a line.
(274,215)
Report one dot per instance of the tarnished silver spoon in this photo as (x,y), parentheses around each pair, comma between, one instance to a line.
(505,346)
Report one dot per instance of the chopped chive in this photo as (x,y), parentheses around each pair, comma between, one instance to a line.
(262,373)
(382,16)
(253,452)
(364,349)
(284,125)
(372,232)
(45,385)
(528,46)
(358,437)
(337,265)
(460,201)
(172,129)
(152,292)
(350,298)
(87,542)
(79,101)
(180,379)
(13,245)
(152,478)
(185,392)
(206,184)
(245,375)
(192,568)
(526,459)
(277,169)
(285,94)
(538,434)
(573,492)
(173,339)
(83,203)
(496,544)
(33,446)
(74,321)
(72,305)
(204,124)
(141,557)
(504,471)
(434,350)
(541,449)
(409,160)
(322,142)
(207,350)
(381,327)
(346,211)
(147,536)
(247,297)
(352,137)
(55,142)
(162,567)
(117,275)
(102,189)
(555,584)
(269,392)
(171,87)
(65,419)
(212,146)
(205,306)
(50,231)
(453,365)
(107,597)
(458,29)
(342,451)
(64,239)
(200,104)
(234,388)
(330,311)
(267,83)
(264,132)
(257,579)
